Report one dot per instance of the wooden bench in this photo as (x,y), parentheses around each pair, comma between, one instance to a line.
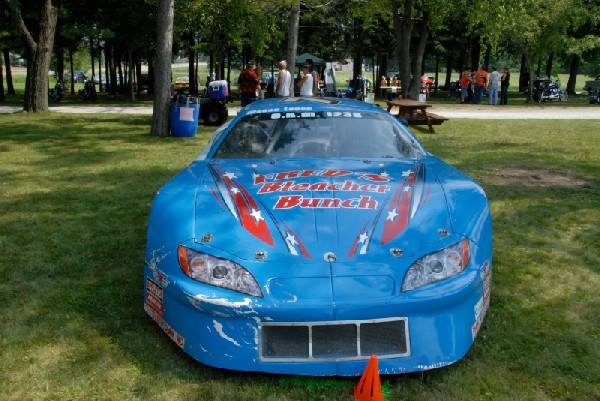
(415,113)
(431,118)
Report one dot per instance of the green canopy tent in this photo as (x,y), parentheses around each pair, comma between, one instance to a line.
(317,62)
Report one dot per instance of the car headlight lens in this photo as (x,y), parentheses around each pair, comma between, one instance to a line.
(218,272)
(437,266)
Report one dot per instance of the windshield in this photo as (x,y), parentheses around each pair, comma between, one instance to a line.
(317,134)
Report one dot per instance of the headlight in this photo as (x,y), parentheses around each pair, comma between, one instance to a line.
(437,266)
(218,272)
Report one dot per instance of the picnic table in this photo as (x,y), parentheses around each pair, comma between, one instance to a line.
(415,113)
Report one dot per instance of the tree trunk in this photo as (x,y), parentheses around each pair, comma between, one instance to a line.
(92,58)
(449,68)
(72,83)
(130,68)
(573,70)
(191,59)
(162,77)
(2,95)
(549,65)
(292,45)
(403,33)
(487,55)
(358,54)
(40,51)
(475,52)
(417,69)
(523,75)
(529,66)
(10,88)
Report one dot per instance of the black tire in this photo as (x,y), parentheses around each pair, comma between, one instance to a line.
(215,114)
(563,97)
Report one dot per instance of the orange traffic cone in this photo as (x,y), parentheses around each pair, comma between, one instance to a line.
(369,386)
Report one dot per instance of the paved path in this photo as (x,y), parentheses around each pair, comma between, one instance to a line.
(480,112)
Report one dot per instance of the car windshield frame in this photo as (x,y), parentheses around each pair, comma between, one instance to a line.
(317,134)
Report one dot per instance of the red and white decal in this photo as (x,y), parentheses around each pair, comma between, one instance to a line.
(154,297)
(398,212)
(175,336)
(483,304)
(287,175)
(242,206)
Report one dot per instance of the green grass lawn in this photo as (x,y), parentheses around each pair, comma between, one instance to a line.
(75,197)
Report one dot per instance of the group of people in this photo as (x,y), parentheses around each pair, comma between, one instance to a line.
(250,89)
(480,80)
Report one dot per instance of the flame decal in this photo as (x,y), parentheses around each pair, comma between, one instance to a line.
(291,240)
(242,206)
(407,200)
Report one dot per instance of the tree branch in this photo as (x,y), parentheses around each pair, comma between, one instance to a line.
(15,10)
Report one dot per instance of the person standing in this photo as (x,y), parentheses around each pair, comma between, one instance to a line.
(284,80)
(481,77)
(494,79)
(465,81)
(259,73)
(306,82)
(248,85)
(315,76)
(504,83)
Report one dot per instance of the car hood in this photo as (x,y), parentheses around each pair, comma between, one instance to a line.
(319,209)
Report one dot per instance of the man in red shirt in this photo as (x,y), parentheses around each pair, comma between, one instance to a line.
(481,77)
(248,85)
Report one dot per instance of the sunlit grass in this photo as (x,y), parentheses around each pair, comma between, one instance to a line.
(75,196)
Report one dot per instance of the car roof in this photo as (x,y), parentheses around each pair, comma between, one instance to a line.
(314,104)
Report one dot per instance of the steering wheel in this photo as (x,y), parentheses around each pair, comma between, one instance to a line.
(301,146)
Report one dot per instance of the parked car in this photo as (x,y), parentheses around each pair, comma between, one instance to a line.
(182,83)
(310,234)
(100,79)
(79,77)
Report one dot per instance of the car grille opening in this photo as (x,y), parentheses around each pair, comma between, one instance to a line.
(333,341)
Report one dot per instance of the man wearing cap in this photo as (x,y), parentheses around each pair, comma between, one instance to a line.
(248,85)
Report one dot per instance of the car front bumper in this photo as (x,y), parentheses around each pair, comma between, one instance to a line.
(420,330)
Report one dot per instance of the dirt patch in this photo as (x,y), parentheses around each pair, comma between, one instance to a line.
(529,177)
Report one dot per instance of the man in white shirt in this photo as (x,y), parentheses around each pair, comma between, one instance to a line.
(493,81)
(284,80)
(306,83)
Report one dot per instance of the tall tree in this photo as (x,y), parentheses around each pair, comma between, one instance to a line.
(292,43)
(162,76)
(39,52)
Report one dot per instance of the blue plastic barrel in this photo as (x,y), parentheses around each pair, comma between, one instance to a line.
(185,111)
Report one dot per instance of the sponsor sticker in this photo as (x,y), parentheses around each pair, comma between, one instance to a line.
(483,304)
(154,297)
(175,336)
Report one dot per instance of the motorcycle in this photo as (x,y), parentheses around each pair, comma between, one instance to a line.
(545,89)
(426,83)
(58,92)
(89,91)
(595,96)
(360,91)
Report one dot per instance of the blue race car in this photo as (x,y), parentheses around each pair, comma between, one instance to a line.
(311,234)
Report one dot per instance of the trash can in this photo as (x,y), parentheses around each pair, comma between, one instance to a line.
(185,111)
